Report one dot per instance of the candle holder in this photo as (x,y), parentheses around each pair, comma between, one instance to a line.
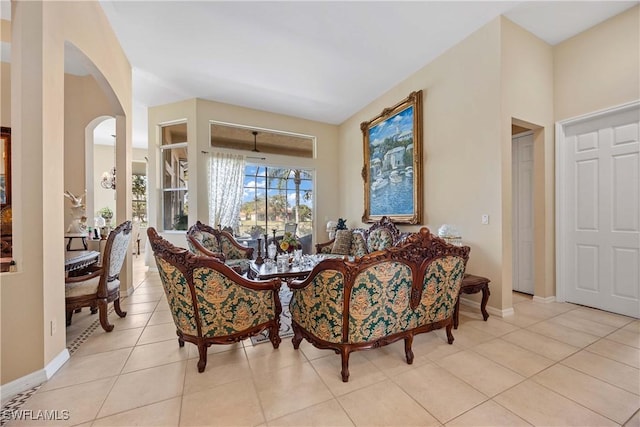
(259,260)
(275,241)
(271,249)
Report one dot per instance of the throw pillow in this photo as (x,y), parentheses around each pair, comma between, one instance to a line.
(342,243)
(358,244)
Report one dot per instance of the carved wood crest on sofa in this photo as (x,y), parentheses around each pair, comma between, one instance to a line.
(362,241)
(379,298)
(212,304)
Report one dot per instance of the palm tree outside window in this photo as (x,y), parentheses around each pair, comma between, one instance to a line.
(276,196)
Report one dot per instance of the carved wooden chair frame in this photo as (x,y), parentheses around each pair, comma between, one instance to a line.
(186,262)
(199,226)
(103,296)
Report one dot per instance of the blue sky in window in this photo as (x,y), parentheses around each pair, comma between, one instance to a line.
(253,186)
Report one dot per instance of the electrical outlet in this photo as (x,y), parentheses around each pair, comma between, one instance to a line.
(485,219)
(54,327)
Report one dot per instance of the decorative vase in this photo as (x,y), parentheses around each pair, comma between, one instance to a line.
(104,232)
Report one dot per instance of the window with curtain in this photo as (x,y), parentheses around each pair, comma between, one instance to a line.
(226,172)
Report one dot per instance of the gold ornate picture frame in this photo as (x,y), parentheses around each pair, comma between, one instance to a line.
(392,171)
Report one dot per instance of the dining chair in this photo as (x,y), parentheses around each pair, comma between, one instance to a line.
(101,284)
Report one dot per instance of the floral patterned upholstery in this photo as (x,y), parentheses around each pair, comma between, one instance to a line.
(379,239)
(178,296)
(358,244)
(226,308)
(204,240)
(229,250)
(379,304)
(211,303)
(318,307)
(208,240)
(380,235)
(441,286)
(391,294)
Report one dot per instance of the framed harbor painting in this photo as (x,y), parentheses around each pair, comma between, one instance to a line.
(392,171)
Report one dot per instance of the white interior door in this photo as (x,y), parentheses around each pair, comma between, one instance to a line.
(599,211)
(522,169)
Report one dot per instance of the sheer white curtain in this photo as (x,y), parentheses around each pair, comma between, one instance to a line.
(226,174)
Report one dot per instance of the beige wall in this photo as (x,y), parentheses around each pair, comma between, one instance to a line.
(598,68)
(103,157)
(198,114)
(500,75)
(102,161)
(34,296)
(84,101)
(5,91)
(527,97)
(5,79)
(461,148)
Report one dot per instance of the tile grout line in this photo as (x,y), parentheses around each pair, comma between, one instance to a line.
(16,402)
(558,362)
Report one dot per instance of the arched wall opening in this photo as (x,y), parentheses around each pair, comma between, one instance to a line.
(39,114)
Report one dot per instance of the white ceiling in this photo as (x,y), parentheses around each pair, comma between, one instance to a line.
(316,60)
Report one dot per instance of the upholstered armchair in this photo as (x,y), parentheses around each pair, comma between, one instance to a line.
(208,241)
(102,283)
(210,302)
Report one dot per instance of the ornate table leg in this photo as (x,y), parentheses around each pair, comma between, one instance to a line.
(470,285)
(485,298)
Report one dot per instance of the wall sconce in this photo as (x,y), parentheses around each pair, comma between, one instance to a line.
(109,179)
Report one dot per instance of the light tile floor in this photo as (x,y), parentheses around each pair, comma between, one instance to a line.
(548,364)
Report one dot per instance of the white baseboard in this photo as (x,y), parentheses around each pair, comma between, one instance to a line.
(544,300)
(10,389)
(470,302)
(491,310)
(502,313)
(57,362)
(127,292)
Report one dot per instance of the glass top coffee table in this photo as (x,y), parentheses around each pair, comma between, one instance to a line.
(268,269)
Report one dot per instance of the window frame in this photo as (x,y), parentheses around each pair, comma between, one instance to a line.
(172,190)
(271,188)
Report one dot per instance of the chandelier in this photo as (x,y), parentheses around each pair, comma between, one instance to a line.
(109,179)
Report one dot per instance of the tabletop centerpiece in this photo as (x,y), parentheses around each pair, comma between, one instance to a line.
(289,243)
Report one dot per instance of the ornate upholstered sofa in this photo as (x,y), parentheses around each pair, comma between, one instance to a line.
(379,298)
(360,241)
(211,303)
(208,241)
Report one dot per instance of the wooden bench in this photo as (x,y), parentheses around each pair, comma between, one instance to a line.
(472,284)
